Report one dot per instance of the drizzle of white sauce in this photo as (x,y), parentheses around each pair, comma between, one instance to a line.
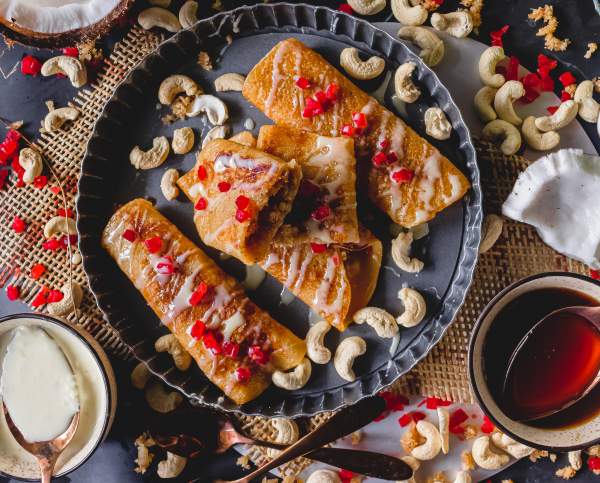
(231,324)
(181,301)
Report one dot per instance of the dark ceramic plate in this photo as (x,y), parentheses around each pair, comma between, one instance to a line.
(131,117)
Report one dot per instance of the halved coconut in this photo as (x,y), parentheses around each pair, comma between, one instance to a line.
(59,23)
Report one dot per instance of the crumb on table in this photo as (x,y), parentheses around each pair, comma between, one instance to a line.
(548,31)
(591,48)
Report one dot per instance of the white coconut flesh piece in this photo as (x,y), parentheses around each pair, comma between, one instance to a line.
(558,195)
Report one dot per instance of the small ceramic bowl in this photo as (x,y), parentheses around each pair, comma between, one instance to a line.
(97,393)
(556,440)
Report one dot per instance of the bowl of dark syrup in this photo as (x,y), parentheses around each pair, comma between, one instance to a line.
(555,368)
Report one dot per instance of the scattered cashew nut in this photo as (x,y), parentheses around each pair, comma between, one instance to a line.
(565,113)
(161,400)
(367,7)
(414,465)
(361,69)
(509,445)
(140,376)
(459,24)
(437,124)
(415,307)
(407,14)
(348,350)
(500,130)
(31,161)
(73,295)
(575,459)
(485,457)
(487,66)
(217,132)
(172,466)
(324,476)
(405,88)
(60,225)
(168,184)
(174,85)
(382,321)
(315,347)
(286,432)
(463,477)
(400,253)
(214,108)
(229,82)
(433,442)
(72,67)
(295,379)
(484,103)
(432,47)
(589,109)
(504,98)
(152,158)
(55,119)
(444,427)
(158,17)
(490,232)
(183,140)
(188,14)
(169,343)
(536,139)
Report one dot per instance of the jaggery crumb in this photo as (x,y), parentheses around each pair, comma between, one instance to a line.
(474,7)
(538,454)
(411,438)
(204,61)
(179,109)
(566,473)
(548,31)
(439,477)
(467,461)
(144,457)
(356,437)
(470,432)
(591,48)
(595,450)
(243,462)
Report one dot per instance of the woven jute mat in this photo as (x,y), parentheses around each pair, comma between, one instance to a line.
(443,373)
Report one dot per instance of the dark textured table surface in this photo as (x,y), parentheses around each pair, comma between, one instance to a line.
(23,98)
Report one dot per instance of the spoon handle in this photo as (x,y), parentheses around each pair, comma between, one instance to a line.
(47,468)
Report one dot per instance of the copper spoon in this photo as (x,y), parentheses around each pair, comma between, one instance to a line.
(46,452)
(591,314)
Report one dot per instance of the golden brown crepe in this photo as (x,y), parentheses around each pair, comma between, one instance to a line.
(241,196)
(325,207)
(408,178)
(335,281)
(235,343)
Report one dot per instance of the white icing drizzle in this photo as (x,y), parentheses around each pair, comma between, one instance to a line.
(212,317)
(181,301)
(233,160)
(429,174)
(292,272)
(231,324)
(322,295)
(276,76)
(155,260)
(271,260)
(198,190)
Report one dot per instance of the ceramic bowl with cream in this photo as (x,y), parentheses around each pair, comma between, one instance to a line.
(500,327)
(49,370)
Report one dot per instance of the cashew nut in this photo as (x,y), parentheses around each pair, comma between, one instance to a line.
(161,400)
(229,82)
(509,445)
(174,85)
(463,477)
(183,140)
(324,476)
(485,457)
(437,124)
(536,139)
(500,130)
(414,465)
(490,231)
(415,307)
(55,119)
(158,17)
(140,376)
(315,347)
(433,442)
(152,158)
(589,109)
(172,466)
(214,108)
(359,69)
(31,161)
(487,66)
(483,103)
(383,322)
(458,24)
(73,295)
(405,88)
(286,432)
(503,101)
(407,14)
(188,14)
(169,343)
(168,184)
(575,459)
(217,132)
(243,137)
(72,67)
(295,379)
(400,253)
(444,427)
(432,47)
(348,350)
(60,225)
(367,7)
(565,113)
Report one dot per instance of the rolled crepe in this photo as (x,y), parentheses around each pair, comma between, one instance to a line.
(388,150)
(235,343)
(241,196)
(325,207)
(335,281)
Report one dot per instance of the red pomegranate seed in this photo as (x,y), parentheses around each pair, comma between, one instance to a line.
(129,235)
(321,98)
(242,215)
(566,79)
(594,463)
(346,8)
(307,113)
(68,213)
(457,418)
(403,175)
(242,202)
(54,296)
(71,51)
(3,176)
(8,148)
(336,259)
(383,144)
(258,355)
(595,274)
(392,157)
(394,402)
(346,475)
(224,186)
(320,213)
(565,96)
(198,294)
(201,204)
(40,181)
(348,130)
(545,64)
(154,244)
(40,298)
(547,84)
(198,329)
(552,109)
(242,374)
(359,119)
(231,349)
(211,341)
(30,65)
(512,73)
(37,271)
(380,158)
(165,268)
(417,416)
(55,189)
(202,173)
(405,420)
(52,244)
(332,92)
(496,36)
(318,247)
(13,292)
(487,426)
(312,104)
(13,135)
(435,402)
(302,83)
(18,225)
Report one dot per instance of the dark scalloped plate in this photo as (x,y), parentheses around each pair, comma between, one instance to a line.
(131,117)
